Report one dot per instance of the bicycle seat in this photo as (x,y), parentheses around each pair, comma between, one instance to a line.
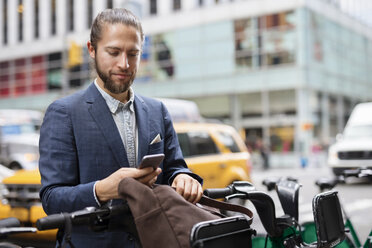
(288,192)
(326,183)
(270,183)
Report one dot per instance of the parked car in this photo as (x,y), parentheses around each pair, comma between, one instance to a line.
(19,138)
(353,148)
(216,152)
(20,199)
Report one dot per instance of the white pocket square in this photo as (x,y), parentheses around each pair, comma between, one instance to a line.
(156,139)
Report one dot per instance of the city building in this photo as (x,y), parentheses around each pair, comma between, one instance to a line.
(286,73)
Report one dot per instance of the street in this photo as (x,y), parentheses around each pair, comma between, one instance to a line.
(355,196)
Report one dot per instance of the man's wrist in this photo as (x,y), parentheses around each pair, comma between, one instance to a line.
(97,193)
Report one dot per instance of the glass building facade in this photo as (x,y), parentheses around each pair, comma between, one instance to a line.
(289,75)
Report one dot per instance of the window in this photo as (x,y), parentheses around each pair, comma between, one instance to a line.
(36,19)
(38,74)
(163,56)
(20,77)
(196,143)
(202,143)
(54,17)
(244,42)
(75,76)
(71,15)
(284,57)
(4,79)
(266,40)
(228,141)
(109,4)
(5,21)
(176,4)
(54,76)
(183,139)
(283,20)
(20,20)
(279,38)
(90,13)
(153,7)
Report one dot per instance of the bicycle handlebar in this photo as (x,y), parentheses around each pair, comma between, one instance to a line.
(262,202)
(51,222)
(81,217)
(271,182)
(217,193)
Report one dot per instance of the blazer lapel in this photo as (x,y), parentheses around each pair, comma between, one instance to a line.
(143,126)
(102,115)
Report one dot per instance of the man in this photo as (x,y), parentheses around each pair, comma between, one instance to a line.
(91,140)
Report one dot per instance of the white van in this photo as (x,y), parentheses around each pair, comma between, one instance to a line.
(353,148)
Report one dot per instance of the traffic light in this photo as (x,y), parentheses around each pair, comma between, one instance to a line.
(75,54)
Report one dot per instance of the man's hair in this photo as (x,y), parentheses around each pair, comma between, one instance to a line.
(113,16)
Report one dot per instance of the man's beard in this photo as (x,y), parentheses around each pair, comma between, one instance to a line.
(109,84)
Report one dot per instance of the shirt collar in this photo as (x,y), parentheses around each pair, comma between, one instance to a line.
(114,104)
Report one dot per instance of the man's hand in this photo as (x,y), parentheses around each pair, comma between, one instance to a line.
(188,187)
(107,189)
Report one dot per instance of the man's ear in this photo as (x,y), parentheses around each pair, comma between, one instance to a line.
(91,50)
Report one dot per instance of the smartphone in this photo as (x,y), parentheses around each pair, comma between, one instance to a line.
(152,160)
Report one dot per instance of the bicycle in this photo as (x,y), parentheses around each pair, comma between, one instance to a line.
(308,228)
(222,232)
(331,183)
(284,231)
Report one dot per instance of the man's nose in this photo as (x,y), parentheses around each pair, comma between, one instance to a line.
(123,63)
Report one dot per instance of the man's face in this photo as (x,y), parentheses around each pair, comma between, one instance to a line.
(117,57)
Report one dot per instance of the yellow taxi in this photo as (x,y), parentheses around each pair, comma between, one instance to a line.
(20,199)
(216,152)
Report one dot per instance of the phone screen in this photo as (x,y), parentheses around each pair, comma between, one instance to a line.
(153,160)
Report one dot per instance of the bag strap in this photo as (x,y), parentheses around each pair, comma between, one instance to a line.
(207,201)
(226,206)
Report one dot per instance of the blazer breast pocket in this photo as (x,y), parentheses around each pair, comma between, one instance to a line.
(157,147)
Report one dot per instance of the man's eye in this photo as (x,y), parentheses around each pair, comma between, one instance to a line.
(113,53)
(133,54)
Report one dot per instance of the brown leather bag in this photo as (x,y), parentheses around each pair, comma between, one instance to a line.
(164,218)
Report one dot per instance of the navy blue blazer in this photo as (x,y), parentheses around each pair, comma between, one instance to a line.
(80,144)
